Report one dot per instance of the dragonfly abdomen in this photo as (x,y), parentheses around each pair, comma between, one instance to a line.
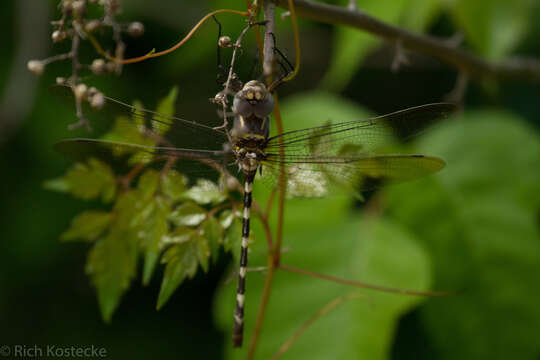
(241,289)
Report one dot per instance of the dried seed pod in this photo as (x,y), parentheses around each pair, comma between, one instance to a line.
(224,42)
(80,91)
(98,66)
(92,25)
(58,35)
(97,100)
(36,66)
(78,7)
(135,29)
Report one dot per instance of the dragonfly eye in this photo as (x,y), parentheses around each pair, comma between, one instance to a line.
(253,99)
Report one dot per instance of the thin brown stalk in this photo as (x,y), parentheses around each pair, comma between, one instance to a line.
(365,285)
(326,309)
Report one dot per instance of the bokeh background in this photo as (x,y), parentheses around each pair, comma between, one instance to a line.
(473,227)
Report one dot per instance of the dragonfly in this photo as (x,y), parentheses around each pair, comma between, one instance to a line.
(352,153)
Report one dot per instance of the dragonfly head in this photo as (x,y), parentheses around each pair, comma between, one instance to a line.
(253,99)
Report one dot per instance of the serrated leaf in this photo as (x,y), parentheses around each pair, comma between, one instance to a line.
(152,233)
(226,218)
(233,237)
(112,264)
(213,232)
(205,192)
(182,263)
(188,214)
(88,181)
(173,185)
(179,235)
(148,183)
(87,226)
(166,107)
(203,250)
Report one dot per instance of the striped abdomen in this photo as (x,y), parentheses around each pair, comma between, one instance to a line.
(241,289)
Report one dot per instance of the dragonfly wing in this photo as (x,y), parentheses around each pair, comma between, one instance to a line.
(196,163)
(125,119)
(311,178)
(366,136)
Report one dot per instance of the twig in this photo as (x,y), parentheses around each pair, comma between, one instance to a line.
(367,286)
(153,53)
(517,68)
(327,308)
(274,254)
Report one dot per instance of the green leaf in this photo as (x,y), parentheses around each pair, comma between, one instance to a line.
(226,218)
(88,181)
(322,236)
(494,27)
(166,107)
(179,235)
(152,233)
(386,256)
(87,226)
(58,184)
(479,220)
(213,232)
(148,183)
(233,237)
(173,185)
(182,262)
(203,250)
(188,214)
(112,265)
(205,192)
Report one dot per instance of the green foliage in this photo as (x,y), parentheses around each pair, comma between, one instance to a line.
(154,216)
(479,222)
(87,226)
(322,237)
(86,181)
(493,27)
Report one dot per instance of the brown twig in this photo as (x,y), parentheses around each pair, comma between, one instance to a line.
(275,253)
(365,285)
(475,67)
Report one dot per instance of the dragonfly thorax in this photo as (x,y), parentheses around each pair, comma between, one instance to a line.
(249,152)
(251,127)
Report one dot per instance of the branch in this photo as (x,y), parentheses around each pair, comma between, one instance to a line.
(516,68)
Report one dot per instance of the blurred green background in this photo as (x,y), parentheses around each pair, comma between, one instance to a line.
(473,227)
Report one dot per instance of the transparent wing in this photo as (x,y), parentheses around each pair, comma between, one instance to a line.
(171,130)
(353,138)
(353,154)
(122,156)
(311,179)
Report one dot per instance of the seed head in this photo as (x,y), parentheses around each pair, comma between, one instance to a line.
(98,66)
(135,29)
(224,42)
(36,66)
